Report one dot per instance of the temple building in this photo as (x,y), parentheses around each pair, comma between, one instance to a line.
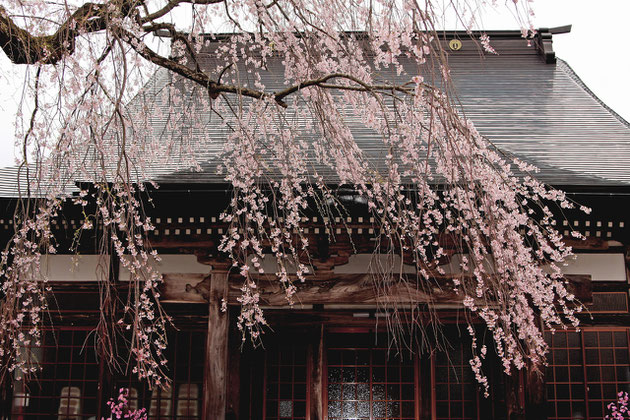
(329,357)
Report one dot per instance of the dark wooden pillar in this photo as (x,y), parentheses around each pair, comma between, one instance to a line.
(514,395)
(317,374)
(215,375)
(234,369)
(534,376)
(535,395)
(424,385)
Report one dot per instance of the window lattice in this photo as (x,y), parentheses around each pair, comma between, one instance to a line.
(286,396)
(455,385)
(185,354)
(67,384)
(457,393)
(364,383)
(586,371)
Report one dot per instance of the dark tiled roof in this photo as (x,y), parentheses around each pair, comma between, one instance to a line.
(540,112)
(11,185)
(9,182)
(14,186)
(544,114)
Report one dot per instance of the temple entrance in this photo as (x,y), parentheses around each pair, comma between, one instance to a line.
(361,379)
(366,381)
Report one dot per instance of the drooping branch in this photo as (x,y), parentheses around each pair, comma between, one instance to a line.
(423,138)
(22,47)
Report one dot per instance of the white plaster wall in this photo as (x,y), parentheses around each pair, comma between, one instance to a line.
(601,267)
(185,264)
(454,265)
(71,267)
(357,264)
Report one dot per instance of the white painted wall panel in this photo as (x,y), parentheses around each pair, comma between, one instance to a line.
(601,267)
(70,267)
(175,264)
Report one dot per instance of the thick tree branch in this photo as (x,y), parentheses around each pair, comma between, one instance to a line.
(173,4)
(215,88)
(362,86)
(199,77)
(24,48)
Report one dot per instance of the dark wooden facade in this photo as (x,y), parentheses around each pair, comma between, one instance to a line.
(330,356)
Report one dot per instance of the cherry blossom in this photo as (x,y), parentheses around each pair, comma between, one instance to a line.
(91,96)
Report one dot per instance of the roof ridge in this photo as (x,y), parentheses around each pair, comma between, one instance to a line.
(564,66)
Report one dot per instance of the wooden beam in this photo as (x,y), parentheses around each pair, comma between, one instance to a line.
(581,286)
(588,243)
(340,289)
(215,372)
(348,289)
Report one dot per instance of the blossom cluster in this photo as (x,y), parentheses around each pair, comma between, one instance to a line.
(619,409)
(120,407)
